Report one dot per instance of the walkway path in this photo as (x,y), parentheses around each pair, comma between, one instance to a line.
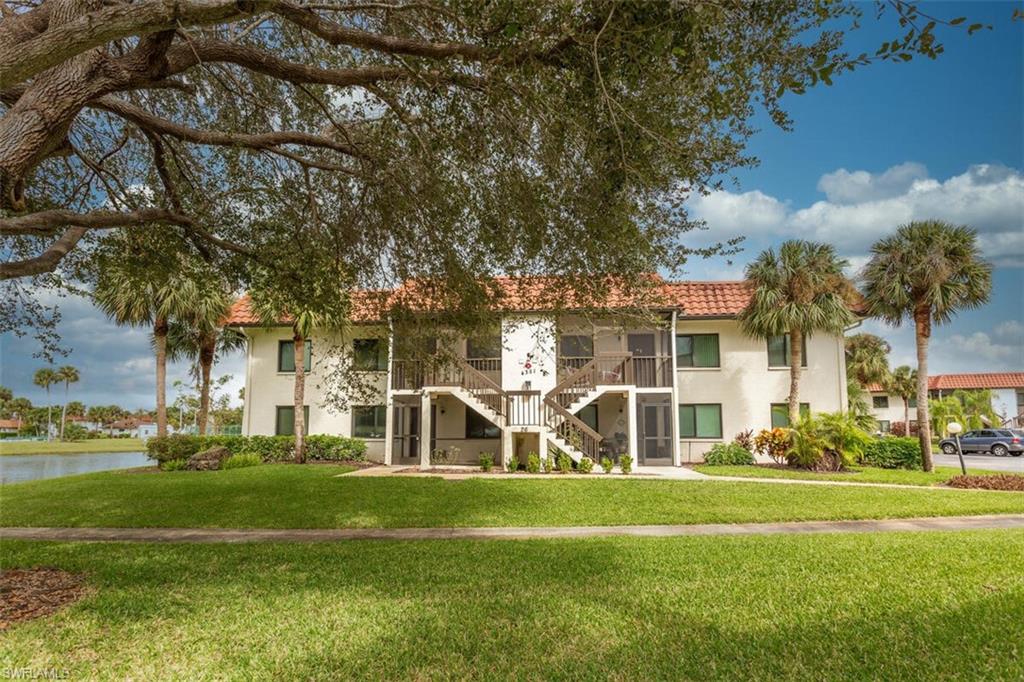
(243,535)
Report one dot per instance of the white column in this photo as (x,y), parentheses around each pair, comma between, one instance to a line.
(425,430)
(507,451)
(389,402)
(674,416)
(631,421)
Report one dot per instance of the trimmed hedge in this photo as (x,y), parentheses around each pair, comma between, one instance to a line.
(269,448)
(726,454)
(893,453)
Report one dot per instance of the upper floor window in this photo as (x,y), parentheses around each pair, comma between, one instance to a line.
(484,348)
(912,401)
(880,401)
(368,421)
(778,351)
(576,346)
(284,423)
(697,350)
(780,414)
(286,356)
(369,355)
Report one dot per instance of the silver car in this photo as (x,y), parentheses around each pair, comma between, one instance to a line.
(1000,442)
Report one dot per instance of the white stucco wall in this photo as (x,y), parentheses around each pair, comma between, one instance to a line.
(1004,402)
(266,388)
(746,387)
(893,413)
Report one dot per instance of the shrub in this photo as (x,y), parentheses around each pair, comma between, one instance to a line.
(512,465)
(607,464)
(335,448)
(772,443)
(174,464)
(806,444)
(893,453)
(991,482)
(898,428)
(269,448)
(745,439)
(73,431)
(533,462)
(626,464)
(843,436)
(586,465)
(246,459)
(486,461)
(724,454)
(167,448)
(548,464)
(564,462)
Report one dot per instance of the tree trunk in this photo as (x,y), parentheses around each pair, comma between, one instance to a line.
(922,332)
(160,337)
(906,416)
(49,417)
(300,398)
(796,347)
(64,409)
(207,350)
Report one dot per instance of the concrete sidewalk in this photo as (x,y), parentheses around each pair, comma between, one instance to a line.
(247,535)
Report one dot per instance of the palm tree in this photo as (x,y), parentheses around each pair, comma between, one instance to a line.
(45,378)
(799,291)
(867,358)
(977,408)
(942,411)
(926,272)
(903,382)
(200,336)
(858,404)
(69,375)
(136,296)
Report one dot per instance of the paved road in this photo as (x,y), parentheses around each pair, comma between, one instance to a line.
(1013,464)
(242,535)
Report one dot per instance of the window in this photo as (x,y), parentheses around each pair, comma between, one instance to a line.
(884,426)
(697,350)
(285,422)
(368,421)
(880,401)
(1020,401)
(778,351)
(588,415)
(369,355)
(912,401)
(486,348)
(780,414)
(700,421)
(641,345)
(576,346)
(286,356)
(478,427)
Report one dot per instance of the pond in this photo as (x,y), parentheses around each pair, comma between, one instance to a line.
(15,468)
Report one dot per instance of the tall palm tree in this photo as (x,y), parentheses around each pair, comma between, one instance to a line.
(942,411)
(926,272)
(69,375)
(138,297)
(903,382)
(858,404)
(798,291)
(200,336)
(867,358)
(978,411)
(45,378)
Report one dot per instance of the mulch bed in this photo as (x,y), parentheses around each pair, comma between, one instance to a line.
(991,482)
(31,593)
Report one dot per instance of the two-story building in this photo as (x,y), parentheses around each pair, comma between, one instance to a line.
(663,392)
(1006,389)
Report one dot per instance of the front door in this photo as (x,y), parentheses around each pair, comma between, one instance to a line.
(654,433)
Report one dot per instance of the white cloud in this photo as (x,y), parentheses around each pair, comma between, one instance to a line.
(1011,331)
(862,207)
(981,345)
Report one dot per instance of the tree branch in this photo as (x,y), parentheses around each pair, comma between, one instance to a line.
(45,223)
(46,261)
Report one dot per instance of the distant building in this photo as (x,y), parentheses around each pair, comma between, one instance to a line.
(10,425)
(1007,396)
(134,427)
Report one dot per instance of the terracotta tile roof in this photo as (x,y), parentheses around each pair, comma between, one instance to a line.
(951,382)
(520,294)
(10,423)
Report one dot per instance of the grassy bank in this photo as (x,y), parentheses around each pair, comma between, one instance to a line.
(315,496)
(855,474)
(914,606)
(34,447)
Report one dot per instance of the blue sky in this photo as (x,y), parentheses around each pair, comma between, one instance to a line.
(884,144)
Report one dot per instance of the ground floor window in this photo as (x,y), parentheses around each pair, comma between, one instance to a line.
(780,414)
(588,415)
(478,427)
(700,420)
(884,426)
(285,422)
(368,421)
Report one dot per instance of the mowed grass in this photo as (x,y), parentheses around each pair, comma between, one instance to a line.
(315,496)
(907,606)
(855,475)
(38,447)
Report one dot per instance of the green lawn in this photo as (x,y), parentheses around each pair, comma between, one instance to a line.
(38,447)
(856,474)
(907,606)
(290,496)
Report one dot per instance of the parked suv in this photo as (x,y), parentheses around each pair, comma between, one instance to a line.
(1000,442)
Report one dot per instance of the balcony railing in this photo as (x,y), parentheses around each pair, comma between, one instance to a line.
(613,369)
